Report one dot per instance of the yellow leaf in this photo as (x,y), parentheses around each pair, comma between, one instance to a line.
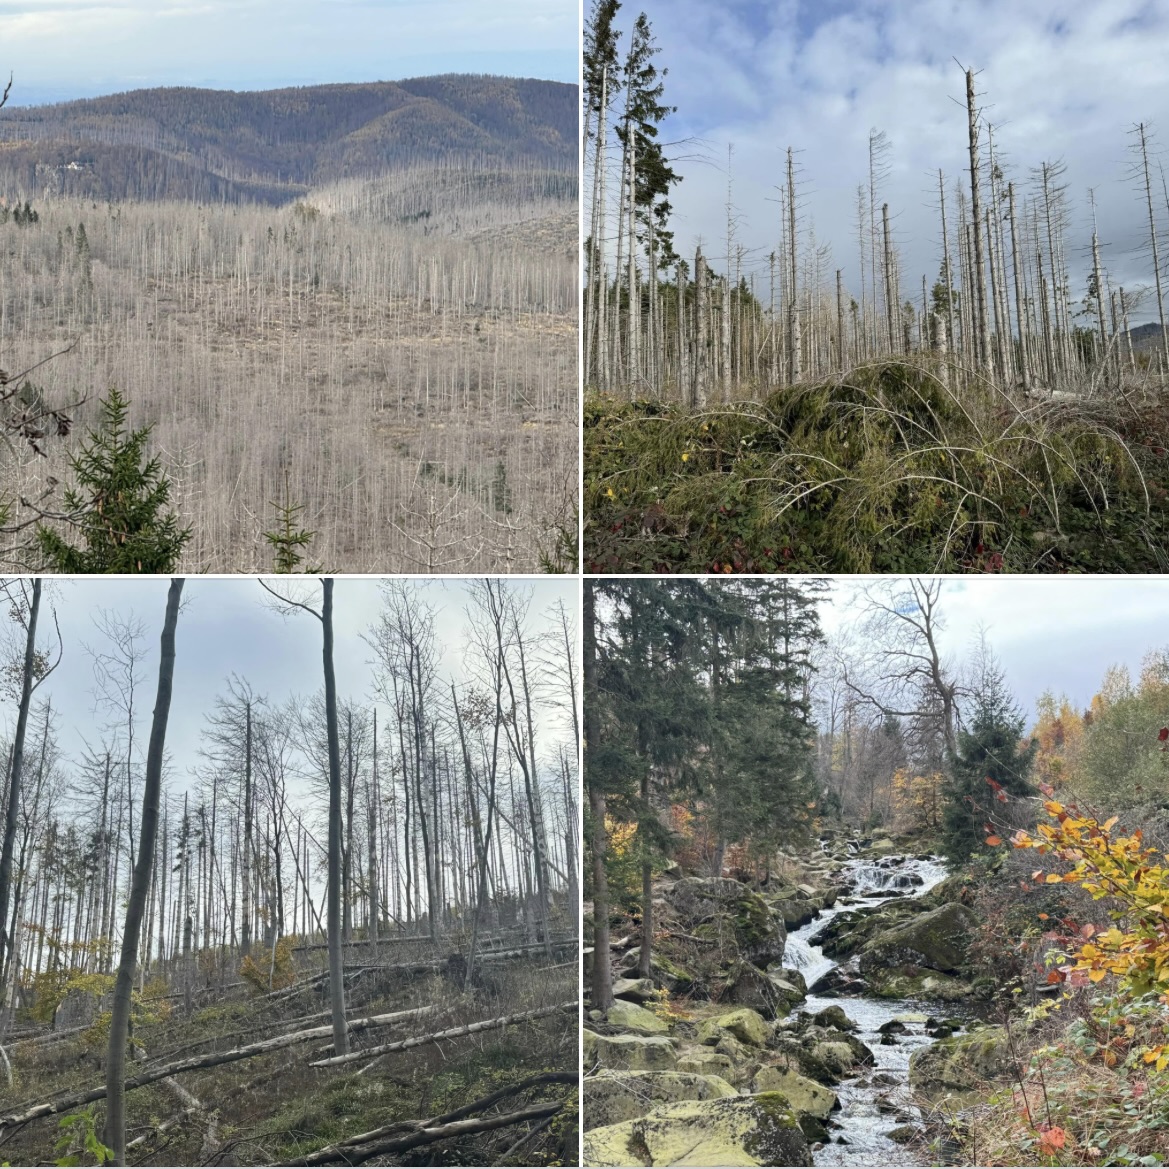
(1053,878)
(1096,976)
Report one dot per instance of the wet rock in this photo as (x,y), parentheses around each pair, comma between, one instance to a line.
(769,994)
(884,1080)
(611,1097)
(936,940)
(839,983)
(914,983)
(903,1134)
(834,1017)
(893,1027)
(746,1130)
(954,1067)
(629,1052)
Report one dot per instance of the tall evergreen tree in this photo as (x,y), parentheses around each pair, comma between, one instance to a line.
(654,174)
(990,749)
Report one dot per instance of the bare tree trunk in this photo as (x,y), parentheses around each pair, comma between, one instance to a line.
(602,975)
(1153,240)
(981,351)
(15,767)
(701,337)
(336,975)
(1020,315)
(115,1130)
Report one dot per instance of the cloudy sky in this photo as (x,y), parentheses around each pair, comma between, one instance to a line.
(1061,80)
(1057,633)
(228,627)
(59,49)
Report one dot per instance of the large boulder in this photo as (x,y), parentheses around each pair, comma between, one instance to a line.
(708,905)
(746,1025)
(951,1069)
(771,994)
(636,1053)
(811,1102)
(631,1017)
(937,940)
(706,1061)
(611,1097)
(638,990)
(746,1130)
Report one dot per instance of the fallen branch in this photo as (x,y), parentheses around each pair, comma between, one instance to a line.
(359,1154)
(452,1033)
(339,1151)
(195,1062)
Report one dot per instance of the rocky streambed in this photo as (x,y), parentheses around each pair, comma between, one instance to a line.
(791,1048)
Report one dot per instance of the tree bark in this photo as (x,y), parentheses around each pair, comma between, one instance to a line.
(115,1130)
(15,767)
(336,980)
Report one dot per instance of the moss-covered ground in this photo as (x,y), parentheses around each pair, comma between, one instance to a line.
(886,469)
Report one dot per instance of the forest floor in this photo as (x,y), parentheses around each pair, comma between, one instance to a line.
(276,1107)
(884,469)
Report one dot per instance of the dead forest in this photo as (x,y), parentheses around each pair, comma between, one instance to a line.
(1005,303)
(337,927)
(407,378)
(1001,411)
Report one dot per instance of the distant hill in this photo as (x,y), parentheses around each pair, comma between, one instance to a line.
(1145,337)
(272,146)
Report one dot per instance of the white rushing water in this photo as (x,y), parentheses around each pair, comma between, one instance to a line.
(878,1100)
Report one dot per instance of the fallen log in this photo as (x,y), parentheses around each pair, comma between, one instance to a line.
(359,1154)
(196,1062)
(438,1037)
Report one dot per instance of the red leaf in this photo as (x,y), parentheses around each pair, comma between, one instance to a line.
(1163,734)
(1048,790)
(1001,796)
(998,786)
(994,841)
(1053,977)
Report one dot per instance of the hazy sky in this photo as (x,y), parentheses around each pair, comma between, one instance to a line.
(60,49)
(228,627)
(1064,80)
(1057,633)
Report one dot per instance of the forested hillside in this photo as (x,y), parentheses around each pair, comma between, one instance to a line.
(309,911)
(849,902)
(392,355)
(272,146)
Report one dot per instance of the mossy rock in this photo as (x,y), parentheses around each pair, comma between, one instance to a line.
(611,1097)
(937,940)
(806,1097)
(745,1025)
(953,1068)
(705,1061)
(746,1130)
(635,1053)
(631,1017)
(925,984)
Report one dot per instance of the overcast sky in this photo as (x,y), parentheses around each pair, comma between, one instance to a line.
(1064,80)
(60,49)
(1057,633)
(227,626)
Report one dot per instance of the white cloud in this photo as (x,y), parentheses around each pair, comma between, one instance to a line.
(1059,80)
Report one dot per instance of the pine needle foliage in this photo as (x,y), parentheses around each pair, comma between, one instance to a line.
(121,501)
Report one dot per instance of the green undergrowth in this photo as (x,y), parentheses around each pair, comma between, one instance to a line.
(883,470)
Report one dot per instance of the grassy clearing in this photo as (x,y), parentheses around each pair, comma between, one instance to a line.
(884,469)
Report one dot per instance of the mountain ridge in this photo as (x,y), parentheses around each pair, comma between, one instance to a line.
(274,145)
